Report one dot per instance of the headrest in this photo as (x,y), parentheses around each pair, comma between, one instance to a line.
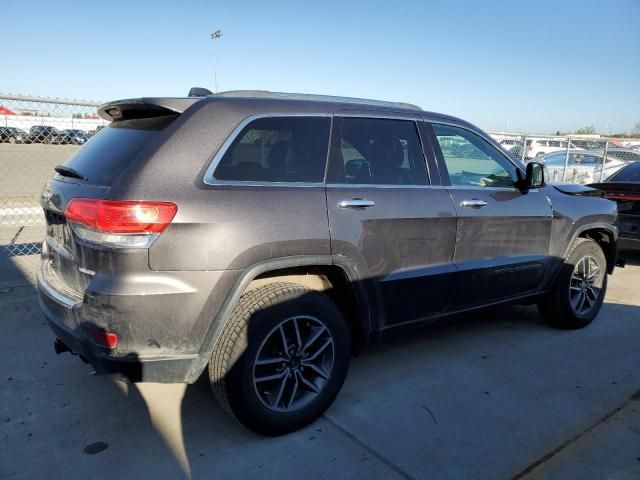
(280,155)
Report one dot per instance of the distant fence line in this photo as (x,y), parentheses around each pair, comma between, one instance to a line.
(24,112)
(572,158)
(28,156)
(27,159)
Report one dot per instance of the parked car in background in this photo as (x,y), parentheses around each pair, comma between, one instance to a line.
(12,135)
(625,154)
(73,137)
(541,146)
(582,167)
(44,134)
(510,143)
(624,188)
(536,147)
(98,128)
(588,143)
(298,229)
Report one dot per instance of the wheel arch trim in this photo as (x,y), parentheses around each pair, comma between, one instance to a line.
(611,229)
(221,318)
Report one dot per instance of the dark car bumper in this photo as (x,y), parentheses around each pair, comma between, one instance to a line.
(629,244)
(62,315)
(629,228)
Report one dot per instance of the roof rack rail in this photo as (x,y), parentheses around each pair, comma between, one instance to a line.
(313,97)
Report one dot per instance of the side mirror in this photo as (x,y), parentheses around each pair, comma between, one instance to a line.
(535,175)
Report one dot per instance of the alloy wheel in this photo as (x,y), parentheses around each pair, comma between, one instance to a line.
(293,364)
(585,285)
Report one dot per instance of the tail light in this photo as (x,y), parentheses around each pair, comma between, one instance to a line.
(620,196)
(119,223)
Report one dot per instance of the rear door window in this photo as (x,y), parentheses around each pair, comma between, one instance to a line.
(278,149)
(378,151)
(115,147)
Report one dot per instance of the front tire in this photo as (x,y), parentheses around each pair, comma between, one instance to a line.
(578,293)
(281,359)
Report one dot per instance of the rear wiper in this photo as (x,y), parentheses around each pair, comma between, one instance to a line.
(68,172)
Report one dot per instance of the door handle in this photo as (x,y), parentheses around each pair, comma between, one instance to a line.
(356,203)
(473,203)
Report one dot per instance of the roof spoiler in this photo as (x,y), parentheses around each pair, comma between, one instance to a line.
(144,108)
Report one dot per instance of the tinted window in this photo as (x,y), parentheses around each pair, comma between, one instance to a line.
(378,151)
(471,160)
(109,152)
(278,149)
(622,155)
(589,160)
(630,173)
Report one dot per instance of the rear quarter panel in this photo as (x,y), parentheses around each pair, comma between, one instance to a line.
(220,227)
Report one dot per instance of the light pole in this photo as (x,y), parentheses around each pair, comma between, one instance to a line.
(214,36)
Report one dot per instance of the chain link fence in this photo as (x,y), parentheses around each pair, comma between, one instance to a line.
(572,158)
(36,134)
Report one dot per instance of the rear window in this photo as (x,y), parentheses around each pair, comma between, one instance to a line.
(630,173)
(625,155)
(116,146)
(278,149)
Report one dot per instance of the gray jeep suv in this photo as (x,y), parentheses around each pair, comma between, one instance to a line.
(268,236)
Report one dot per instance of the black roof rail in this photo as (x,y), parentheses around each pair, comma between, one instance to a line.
(313,97)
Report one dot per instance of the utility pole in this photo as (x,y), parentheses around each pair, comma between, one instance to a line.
(215,35)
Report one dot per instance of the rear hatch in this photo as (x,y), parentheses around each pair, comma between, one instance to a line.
(74,251)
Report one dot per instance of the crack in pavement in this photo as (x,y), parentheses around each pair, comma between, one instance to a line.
(369,449)
(545,458)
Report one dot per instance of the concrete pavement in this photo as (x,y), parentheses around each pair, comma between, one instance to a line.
(491,395)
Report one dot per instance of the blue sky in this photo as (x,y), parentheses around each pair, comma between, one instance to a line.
(537,66)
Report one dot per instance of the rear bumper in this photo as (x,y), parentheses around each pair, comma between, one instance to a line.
(62,314)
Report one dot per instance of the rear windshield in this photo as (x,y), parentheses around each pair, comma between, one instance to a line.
(630,173)
(111,150)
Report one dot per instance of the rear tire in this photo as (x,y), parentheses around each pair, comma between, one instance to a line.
(579,289)
(281,358)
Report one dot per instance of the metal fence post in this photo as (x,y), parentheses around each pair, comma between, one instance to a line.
(566,160)
(604,159)
(524,150)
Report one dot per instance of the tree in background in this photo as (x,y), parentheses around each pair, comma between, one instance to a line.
(636,130)
(590,130)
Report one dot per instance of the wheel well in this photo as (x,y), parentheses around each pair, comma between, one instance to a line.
(330,280)
(604,238)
